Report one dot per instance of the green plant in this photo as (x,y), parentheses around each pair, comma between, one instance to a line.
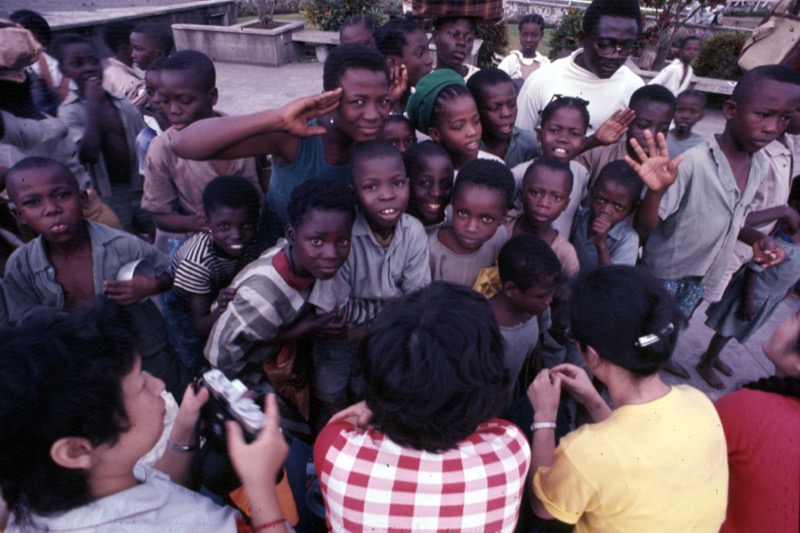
(495,41)
(719,55)
(565,36)
(329,15)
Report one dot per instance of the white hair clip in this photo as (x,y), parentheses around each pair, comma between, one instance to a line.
(653,338)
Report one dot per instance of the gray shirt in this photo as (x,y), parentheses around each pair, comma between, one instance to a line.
(446,265)
(622,242)
(374,273)
(701,215)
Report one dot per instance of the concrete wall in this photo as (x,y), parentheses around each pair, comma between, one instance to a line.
(239,44)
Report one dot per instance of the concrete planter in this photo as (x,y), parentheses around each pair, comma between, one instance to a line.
(240,43)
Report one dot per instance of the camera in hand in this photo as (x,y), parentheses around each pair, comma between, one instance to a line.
(230,400)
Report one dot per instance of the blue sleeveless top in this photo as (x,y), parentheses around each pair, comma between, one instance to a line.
(309,163)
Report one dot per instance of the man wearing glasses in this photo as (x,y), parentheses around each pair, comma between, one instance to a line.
(596,72)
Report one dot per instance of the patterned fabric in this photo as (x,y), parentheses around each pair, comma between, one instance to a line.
(372,484)
(266,303)
(687,292)
(485,9)
(197,268)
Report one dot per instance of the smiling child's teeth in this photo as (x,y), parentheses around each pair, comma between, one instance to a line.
(389,211)
(236,246)
(434,206)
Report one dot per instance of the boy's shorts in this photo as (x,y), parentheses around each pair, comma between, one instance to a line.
(688,292)
(335,369)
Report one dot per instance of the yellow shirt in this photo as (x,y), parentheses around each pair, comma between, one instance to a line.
(658,466)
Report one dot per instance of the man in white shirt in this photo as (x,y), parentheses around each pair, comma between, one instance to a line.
(595,72)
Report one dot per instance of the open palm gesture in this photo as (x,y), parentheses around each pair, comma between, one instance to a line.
(294,116)
(656,169)
(615,126)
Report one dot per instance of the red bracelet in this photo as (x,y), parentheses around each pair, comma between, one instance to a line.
(274,523)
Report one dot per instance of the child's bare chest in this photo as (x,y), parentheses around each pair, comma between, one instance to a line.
(741,173)
(75,275)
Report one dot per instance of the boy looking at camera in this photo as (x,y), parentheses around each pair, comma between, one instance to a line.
(389,258)
(74,262)
(104,127)
(269,306)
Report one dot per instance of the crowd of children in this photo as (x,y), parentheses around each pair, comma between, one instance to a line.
(426,268)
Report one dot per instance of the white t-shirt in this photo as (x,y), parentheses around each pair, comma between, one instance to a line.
(512,63)
(566,78)
(672,77)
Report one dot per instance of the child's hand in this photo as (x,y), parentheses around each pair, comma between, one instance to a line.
(656,170)
(545,393)
(357,414)
(398,83)
(259,462)
(325,326)
(93,92)
(767,253)
(599,229)
(225,297)
(293,117)
(615,126)
(131,291)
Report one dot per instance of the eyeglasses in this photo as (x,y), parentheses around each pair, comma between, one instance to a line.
(607,47)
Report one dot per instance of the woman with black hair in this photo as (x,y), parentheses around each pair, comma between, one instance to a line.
(425,452)
(762,429)
(656,461)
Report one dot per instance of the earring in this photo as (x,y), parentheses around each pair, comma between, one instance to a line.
(331,119)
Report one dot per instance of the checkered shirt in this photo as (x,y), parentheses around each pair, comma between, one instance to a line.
(372,484)
(483,9)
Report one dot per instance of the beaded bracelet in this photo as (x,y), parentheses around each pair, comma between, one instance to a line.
(543,425)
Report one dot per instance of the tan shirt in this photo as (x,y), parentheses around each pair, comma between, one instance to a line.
(595,159)
(173,184)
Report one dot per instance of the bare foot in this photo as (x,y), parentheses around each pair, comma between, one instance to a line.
(706,371)
(675,368)
(723,367)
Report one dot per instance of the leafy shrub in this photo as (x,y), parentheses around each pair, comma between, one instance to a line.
(329,15)
(719,55)
(495,41)
(564,38)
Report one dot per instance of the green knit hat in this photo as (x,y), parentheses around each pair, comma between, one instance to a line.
(420,104)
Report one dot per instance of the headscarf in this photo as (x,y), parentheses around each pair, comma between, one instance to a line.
(420,103)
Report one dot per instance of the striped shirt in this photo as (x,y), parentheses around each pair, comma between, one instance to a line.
(269,299)
(198,269)
(372,484)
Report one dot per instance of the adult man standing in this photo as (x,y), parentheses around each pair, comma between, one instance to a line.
(596,72)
